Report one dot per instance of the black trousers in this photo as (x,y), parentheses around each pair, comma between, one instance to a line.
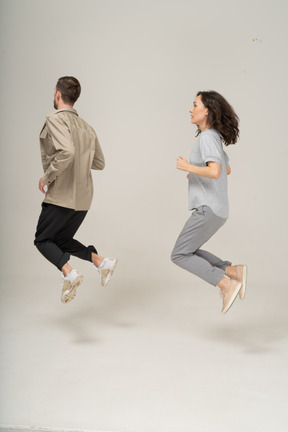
(54,235)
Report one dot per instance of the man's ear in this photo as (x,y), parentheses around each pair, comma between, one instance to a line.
(58,94)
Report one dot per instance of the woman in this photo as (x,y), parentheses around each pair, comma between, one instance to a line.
(207,169)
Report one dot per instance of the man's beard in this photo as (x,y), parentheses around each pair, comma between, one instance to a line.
(55,104)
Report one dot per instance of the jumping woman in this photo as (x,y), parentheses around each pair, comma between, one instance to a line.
(207,170)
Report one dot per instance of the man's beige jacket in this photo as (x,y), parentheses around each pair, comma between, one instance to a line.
(69,150)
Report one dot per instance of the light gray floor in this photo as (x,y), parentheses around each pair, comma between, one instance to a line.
(143,356)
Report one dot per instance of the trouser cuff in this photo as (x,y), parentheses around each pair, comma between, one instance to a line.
(64,259)
(90,250)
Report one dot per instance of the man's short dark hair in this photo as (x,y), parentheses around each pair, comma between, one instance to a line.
(69,88)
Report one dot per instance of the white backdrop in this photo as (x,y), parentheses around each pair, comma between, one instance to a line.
(140,65)
(152,352)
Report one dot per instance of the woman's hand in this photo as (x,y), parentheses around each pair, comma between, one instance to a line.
(212,170)
(182,164)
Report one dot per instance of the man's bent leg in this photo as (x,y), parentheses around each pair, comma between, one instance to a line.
(65,241)
(51,220)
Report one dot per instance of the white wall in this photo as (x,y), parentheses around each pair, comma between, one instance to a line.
(140,65)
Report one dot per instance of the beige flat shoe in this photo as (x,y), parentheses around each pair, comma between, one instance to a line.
(229,295)
(241,276)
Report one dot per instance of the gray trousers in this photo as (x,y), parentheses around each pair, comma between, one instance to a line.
(187,254)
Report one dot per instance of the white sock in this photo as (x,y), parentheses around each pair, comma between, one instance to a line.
(102,263)
(71,276)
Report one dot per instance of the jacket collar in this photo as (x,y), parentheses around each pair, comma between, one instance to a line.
(67,109)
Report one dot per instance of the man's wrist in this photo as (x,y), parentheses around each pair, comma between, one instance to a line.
(44,180)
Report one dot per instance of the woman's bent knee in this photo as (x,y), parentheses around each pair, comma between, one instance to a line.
(174,257)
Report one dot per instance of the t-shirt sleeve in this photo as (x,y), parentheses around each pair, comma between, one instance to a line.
(210,149)
(226,157)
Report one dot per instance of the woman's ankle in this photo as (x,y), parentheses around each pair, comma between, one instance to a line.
(224,284)
(230,271)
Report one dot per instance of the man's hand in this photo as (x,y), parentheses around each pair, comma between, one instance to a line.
(182,164)
(41,186)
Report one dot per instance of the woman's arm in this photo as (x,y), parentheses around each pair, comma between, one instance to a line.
(212,170)
(228,169)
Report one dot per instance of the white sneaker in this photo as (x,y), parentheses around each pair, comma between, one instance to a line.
(106,269)
(70,286)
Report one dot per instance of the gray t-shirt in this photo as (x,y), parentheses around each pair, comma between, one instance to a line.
(204,191)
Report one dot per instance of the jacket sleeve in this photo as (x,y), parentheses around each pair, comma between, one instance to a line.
(63,148)
(98,160)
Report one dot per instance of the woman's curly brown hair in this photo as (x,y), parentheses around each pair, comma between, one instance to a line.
(221,116)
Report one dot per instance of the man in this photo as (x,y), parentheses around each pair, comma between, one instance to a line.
(69,150)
